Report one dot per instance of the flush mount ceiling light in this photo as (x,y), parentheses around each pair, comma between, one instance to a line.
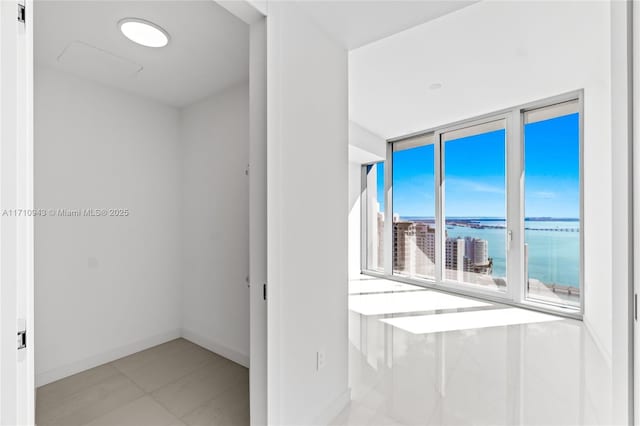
(143,32)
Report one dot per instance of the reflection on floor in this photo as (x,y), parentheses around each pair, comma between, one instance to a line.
(423,324)
(420,361)
(405,302)
(378,286)
(176,383)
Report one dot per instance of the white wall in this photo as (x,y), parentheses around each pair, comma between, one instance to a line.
(307,219)
(371,146)
(215,299)
(105,286)
(495,55)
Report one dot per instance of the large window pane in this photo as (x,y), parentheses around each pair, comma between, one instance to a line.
(457,235)
(414,240)
(552,207)
(374,216)
(474,206)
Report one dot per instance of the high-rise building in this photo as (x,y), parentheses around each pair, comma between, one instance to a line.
(414,248)
(414,253)
(426,242)
(477,255)
(404,243)
(477,251)
(454,257)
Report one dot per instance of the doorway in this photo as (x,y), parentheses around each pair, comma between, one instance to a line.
(163,133)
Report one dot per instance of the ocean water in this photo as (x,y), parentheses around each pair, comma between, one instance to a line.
(554,255)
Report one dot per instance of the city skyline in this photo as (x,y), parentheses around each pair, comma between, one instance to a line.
(474,170)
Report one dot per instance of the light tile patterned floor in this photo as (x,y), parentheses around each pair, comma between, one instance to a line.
(176,383)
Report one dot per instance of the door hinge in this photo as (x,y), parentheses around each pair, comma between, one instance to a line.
(635,306)
(21,13)
(22,339)
(264,291)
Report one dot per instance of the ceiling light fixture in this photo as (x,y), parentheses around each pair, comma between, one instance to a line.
(435,86)
(144,32)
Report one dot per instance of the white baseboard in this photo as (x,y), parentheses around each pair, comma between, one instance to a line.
(223,350)
(333,409)
(76,367)
(58,373)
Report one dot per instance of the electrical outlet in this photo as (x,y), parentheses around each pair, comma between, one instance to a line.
(321,359)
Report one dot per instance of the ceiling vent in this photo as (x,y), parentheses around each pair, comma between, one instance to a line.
(92,62)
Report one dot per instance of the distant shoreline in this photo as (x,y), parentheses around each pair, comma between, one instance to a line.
(490,219)
(481,223)
(544,233)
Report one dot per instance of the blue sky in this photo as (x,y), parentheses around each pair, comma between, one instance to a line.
(475,174)
(552,168)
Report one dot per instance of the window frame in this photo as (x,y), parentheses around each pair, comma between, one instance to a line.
(426,139)
(573,96)
(515,294)
(440,198)
(364,219)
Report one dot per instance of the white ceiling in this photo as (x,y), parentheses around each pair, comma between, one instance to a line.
(355,23)
(480,59)
(208,51)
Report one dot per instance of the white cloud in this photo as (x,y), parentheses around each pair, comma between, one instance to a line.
(546,195)
(474,186)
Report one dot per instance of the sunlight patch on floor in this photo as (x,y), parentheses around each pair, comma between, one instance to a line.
(425,324)
(414,301)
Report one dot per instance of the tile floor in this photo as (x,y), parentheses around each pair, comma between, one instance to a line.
(176,383)
(419,357)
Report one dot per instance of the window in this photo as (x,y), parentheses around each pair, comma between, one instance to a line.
(489,207)
(552,203)
(414,226)
(474,205)
(373,216)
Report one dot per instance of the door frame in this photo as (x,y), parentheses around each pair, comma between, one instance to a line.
(17,367)
(254,14)
(17,383)
(634,68)
(624,215)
